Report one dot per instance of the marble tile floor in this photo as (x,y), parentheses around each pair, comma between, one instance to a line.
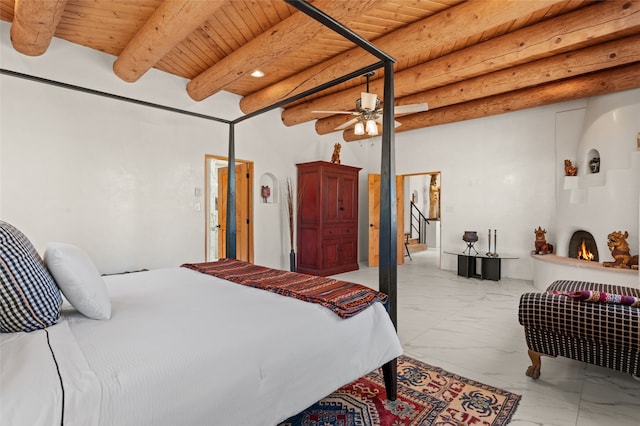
(470,327)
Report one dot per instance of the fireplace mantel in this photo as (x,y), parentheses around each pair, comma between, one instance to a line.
(550,267)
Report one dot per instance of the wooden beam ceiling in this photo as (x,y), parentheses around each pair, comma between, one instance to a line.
(34,23)
(289,35)
(430,33)
(171,23)
(596,84)
(585,27)
(465,59)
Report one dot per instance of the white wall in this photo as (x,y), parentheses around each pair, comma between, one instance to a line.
(496,172)
(500,172)
(118,179)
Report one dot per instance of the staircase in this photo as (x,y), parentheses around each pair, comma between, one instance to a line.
(413,244)
(417,223)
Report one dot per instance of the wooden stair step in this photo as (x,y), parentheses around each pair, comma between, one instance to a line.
(416,247)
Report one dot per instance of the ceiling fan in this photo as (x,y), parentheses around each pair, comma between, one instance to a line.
(369,113)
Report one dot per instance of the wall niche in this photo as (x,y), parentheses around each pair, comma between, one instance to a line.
(268,190)
(593,161)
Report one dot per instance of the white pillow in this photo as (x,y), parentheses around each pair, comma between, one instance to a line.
(79,280)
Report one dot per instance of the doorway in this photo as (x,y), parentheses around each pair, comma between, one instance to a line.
(423,210)
(373,184)
(217,177)
(417,198)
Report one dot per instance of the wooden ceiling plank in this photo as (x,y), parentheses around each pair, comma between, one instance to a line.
(468,18)
(588,26)
(567,65)
(597,84)
(34,24)
(285,37)
(171,23)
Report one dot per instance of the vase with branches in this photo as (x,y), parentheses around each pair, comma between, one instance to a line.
(292,219)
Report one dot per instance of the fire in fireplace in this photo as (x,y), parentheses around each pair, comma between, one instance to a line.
(583,246)
(584,253)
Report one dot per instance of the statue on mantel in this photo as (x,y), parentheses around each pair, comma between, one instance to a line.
(542,247)
(570,169)
(617,243)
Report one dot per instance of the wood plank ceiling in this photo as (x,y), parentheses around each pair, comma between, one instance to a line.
(466,59)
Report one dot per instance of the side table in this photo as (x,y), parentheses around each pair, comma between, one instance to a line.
(490,266)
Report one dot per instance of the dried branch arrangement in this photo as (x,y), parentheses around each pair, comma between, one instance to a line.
(290,202)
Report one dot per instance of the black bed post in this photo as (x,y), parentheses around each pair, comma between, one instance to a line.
(388,270)
(231,196)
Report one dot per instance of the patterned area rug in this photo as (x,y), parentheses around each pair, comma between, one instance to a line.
(426,396)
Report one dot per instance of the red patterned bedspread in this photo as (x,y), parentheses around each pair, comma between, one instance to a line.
(344,298)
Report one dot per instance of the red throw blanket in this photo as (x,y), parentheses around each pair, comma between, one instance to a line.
(600,296)
(344,298)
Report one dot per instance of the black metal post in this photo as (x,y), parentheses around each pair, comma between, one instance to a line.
(231,197)
(388,270)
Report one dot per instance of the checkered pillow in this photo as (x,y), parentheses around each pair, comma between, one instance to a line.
(29,297)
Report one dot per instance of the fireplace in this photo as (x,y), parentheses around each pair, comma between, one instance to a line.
(583,246)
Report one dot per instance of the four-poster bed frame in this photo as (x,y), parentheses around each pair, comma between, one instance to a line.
(388,220)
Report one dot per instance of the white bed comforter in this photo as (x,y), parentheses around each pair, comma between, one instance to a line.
(184,348)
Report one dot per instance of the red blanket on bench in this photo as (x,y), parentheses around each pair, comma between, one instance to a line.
(344,298)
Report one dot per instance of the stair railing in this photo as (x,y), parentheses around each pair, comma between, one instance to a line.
(419,222)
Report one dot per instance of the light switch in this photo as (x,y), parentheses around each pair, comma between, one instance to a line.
(197,192)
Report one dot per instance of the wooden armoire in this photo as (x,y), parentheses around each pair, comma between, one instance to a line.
(327,219)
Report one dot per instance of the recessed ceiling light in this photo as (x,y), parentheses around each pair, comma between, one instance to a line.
(257,74)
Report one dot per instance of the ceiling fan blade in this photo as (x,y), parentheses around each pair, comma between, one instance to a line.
(368,100)
(410,109)
(336,112)
(347,124)
(396,123)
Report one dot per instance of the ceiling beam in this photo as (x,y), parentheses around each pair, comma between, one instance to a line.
(287,36)
(591,59)
(587,26)
(171,23)
(597,84)
(468,19)
(34,23)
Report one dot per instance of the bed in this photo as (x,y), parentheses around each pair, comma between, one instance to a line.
(183,347)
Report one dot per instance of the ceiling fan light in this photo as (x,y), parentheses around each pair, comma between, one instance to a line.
(368,100)
(359,129)
(372,128)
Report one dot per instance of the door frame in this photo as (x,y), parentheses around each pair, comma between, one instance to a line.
(223,162)
(408,197)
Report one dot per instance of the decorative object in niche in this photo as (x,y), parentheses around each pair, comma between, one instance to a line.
(617,243)
(542,247)
(265,191)
(594,165)
(269,188)
(335,157)
(570,169)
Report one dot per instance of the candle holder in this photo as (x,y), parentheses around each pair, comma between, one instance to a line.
(489,240)
(495,243)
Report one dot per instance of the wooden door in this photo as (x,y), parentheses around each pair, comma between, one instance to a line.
(374,218)
(244,234)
